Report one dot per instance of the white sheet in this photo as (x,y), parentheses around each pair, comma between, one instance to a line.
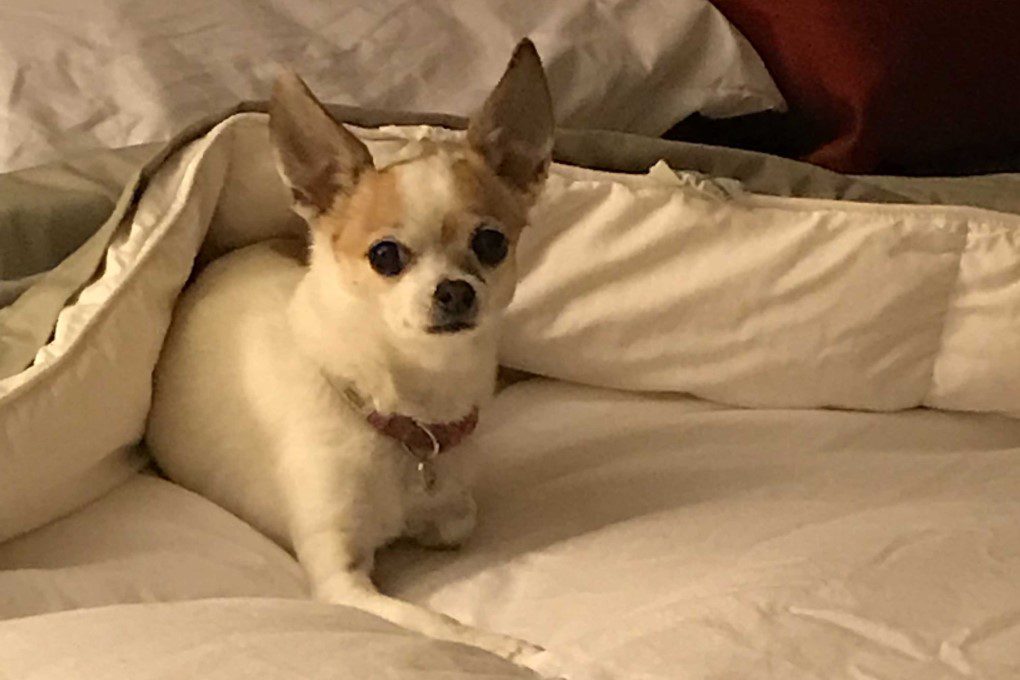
(83,75)
(146,541)
(646,537)
(233,640)
(672,539)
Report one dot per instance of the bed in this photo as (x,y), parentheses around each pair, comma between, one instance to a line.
(764,421)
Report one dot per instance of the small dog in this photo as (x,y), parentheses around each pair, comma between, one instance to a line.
(326,404)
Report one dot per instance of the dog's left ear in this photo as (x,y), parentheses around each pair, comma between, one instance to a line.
(317,156)
(513,132)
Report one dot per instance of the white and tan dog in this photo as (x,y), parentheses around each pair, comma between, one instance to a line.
(318,402)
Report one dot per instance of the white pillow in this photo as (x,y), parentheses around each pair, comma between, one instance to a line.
(679,284)
(114,73)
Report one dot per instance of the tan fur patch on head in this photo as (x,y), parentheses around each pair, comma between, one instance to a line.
(484,194)
(372,211)
(431,203)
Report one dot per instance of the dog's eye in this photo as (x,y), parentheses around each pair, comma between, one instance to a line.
(490,245)
(387,257)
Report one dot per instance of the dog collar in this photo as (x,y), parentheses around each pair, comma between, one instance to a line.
(433,438)
(423,441)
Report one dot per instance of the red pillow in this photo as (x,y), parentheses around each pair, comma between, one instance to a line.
(893,85)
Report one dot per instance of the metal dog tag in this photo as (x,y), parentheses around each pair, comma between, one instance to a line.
(427,475)
(425,470)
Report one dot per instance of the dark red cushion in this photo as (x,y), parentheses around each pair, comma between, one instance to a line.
(896,85)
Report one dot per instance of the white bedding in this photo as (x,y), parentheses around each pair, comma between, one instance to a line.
(639,536)
(237,639)
(670,538)
(147,541)
(81,75)
(643,535)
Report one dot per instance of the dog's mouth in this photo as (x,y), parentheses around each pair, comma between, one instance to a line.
(449,327)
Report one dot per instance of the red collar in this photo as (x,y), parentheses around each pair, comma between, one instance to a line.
(422,440)
(429,437)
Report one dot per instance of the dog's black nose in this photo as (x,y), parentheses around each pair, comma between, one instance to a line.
(454,298)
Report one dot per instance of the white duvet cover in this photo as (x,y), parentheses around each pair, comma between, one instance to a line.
(635,536)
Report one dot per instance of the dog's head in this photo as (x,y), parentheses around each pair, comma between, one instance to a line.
(428,242)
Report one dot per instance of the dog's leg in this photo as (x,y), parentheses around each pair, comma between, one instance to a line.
(340,575)
(443,518)
(345,499)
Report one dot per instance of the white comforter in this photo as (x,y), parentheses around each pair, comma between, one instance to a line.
(637,537)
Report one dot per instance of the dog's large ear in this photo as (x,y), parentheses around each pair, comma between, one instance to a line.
(513,132)
(318,157)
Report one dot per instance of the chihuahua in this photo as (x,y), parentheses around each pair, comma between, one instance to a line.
(330,404)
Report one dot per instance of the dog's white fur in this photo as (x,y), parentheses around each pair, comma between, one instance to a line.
(246,407)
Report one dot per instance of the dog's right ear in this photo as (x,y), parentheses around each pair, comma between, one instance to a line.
(318,158)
